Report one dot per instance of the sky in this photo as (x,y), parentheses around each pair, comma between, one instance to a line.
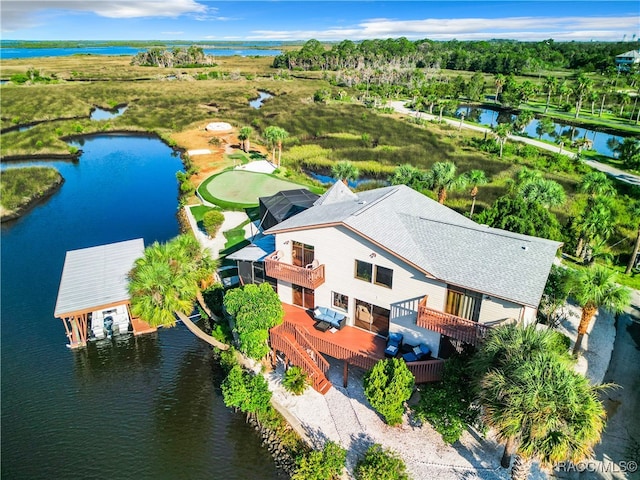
(525,20)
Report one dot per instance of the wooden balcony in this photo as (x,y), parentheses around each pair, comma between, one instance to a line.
(311,277)
(452,326)
(353,345)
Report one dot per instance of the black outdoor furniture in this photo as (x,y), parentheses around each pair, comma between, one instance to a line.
(393,344)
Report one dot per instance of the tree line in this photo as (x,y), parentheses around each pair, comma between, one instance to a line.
(488,56)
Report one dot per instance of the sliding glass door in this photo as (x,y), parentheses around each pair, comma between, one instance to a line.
(372,318)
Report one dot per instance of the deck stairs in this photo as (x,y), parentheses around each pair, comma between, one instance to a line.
(295,346)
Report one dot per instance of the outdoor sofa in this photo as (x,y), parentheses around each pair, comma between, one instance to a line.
(334,319)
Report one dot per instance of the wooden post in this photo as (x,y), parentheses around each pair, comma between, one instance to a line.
(345,374)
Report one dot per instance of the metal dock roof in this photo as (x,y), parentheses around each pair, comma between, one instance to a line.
(96,276)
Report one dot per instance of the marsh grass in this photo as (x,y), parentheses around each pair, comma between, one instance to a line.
(20,186)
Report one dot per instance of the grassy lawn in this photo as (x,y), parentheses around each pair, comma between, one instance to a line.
(241,189)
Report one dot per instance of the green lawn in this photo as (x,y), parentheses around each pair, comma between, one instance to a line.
(241,189)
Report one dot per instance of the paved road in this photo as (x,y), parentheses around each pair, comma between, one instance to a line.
(621,438)
(621,175)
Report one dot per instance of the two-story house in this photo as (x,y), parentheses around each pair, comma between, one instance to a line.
(394,260)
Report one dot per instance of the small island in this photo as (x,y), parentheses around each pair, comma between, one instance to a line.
(21,188)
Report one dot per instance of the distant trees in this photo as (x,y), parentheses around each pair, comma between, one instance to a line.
(244,135)
(176,57)
(275,136)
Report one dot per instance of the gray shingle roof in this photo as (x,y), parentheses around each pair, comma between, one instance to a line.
(96,276)
(441,242)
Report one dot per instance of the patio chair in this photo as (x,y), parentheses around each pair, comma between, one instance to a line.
(393,344)
(313,265)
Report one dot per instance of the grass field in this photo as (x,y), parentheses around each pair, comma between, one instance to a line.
(241,189)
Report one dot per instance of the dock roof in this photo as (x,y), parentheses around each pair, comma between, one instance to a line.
(96,276)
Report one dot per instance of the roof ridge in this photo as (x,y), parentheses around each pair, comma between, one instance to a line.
(367,206)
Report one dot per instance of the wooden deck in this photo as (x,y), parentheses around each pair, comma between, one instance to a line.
(304,346)
(450,325)
(305,277)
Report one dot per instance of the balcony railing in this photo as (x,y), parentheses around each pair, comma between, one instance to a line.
(311,277)
(450,325)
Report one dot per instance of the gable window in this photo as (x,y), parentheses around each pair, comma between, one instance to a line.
(463,303)
(340,301)
(364,271)
(384,276)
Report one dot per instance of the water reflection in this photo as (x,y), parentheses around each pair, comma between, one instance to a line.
(601,142)
(104,358)
(262,96)
(102,114)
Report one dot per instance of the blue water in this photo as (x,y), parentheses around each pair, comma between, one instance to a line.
(262,96)
(9,52)
(330,180)
(131,408)
(601,141)
(102,114)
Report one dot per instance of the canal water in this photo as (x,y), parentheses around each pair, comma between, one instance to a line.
(130,408)
(602,142)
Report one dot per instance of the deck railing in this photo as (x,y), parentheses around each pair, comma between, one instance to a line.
(284,342)
(304,339)
(305,277)
(450,325)
(427,371)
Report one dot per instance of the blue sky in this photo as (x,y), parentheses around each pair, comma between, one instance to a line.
(301,20)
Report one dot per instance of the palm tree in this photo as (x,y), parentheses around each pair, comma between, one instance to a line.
(634,211)
(550,85)
(547,409)
(623,99)
(508,346)
(628,151)
(545,192)
(499,83)
(545,125)
(275,136)
(345,171)
(563,89)
(474,179)
(442,177)
(596,183)
(243,136)
(408,175)
(597,219)
(502,132)
(167,280)
(595,288)
(582,86)
(523,119)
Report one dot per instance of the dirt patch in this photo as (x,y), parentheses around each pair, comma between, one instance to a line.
(198,138)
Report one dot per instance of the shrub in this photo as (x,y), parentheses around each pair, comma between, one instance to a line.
(213,297)
(295,380)
(387,386)
(325,464)
(212,221)
(246,392)
(379,463)
(256,309)
(447,405)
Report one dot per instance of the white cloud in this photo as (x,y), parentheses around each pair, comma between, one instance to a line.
(519,28)
(21,14)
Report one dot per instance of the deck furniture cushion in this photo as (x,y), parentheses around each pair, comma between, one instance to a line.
(393,344)
(336,319)
(410,357)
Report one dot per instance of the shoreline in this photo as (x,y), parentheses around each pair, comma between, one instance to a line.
(31,202)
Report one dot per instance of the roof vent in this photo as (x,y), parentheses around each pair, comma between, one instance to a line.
(524,247)
(362,202)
